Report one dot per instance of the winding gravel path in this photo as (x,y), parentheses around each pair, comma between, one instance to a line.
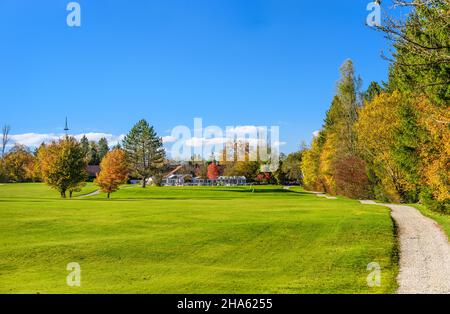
(424,252)
(90,194)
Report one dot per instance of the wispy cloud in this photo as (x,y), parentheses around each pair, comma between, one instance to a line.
(197,142)
(36,139)
(169,139)
(316,133)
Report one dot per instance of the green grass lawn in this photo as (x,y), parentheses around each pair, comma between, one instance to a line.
(192,240)
(442,219)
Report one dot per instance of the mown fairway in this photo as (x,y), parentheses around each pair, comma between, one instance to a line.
(192,240)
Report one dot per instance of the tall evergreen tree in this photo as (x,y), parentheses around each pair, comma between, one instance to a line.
(94,158)
(86,148)
(421,61)
(144,151)
(103,148)
(348,93)
(373,90)
(406,149)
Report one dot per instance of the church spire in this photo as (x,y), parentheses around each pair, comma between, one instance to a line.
(66,128)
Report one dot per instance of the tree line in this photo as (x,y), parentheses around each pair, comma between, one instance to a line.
(228,164)
(392,142)
(62,164)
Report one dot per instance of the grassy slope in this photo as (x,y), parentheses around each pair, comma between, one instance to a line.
(37,190)
(441,219)
(192,240)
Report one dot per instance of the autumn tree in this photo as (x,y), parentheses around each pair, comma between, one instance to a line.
(312,178)
(238,158)
(376,129)
(420,71)
(113,171)
(434,153)
(201,170)
(351,177)
(144,151)
(18,164)
(213,171)
(62,164)
(333,152)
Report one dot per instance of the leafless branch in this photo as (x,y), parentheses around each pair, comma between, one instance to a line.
(5,138)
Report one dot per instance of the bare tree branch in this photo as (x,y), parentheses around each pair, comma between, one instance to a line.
(5,138)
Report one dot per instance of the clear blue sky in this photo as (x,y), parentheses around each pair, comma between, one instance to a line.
(230,62)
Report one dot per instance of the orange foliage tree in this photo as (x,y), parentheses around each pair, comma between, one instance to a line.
(213,171)
(113,172)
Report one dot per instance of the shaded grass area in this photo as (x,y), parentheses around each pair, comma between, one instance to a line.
(37,190)
(192,240)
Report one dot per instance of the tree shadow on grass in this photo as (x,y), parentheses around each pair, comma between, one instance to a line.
(27,200)
(137,199)
(207,194)
(265,191)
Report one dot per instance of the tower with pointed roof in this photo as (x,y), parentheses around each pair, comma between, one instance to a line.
(66,127)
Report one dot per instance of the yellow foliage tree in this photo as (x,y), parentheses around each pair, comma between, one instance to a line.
(326,163)
(375,128)
(310,167)
(18,164)
(113,171)
(435,153)
(62,165)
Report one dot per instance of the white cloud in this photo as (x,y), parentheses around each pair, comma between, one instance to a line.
(36,139)
(316,133)
(112,139)
(279,143)
(197,142)
(169,139)
(246,129)
(33,139)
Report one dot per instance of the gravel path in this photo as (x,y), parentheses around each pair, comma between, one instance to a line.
(90,194)
(321,194)
(424,252)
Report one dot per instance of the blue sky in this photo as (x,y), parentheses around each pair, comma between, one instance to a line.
(230,62)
